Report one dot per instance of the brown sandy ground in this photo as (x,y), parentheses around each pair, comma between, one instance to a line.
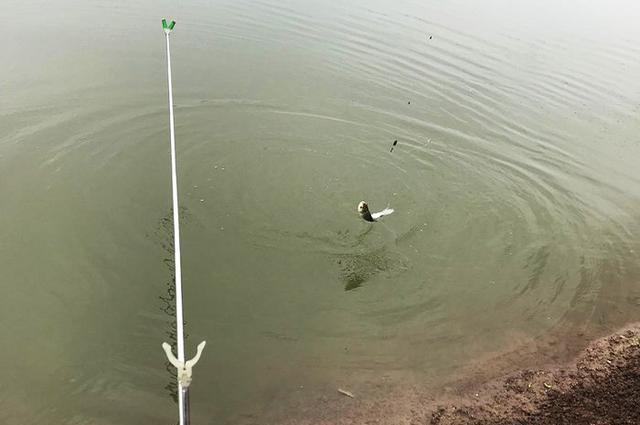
(602,386)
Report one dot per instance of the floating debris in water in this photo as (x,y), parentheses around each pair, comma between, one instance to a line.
(409,103)
(430,37)
(345,392)
(395,142)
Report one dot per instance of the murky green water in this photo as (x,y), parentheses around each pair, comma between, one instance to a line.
(515,181)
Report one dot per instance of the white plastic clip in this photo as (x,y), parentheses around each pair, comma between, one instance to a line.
(184,369)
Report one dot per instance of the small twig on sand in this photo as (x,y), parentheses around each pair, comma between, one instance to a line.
(344,392)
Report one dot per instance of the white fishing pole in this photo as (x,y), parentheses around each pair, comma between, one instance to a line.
(184,368)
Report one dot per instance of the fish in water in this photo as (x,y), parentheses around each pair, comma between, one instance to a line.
(366,215)
(395,142)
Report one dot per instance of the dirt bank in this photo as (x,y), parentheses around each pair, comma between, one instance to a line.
(602,386)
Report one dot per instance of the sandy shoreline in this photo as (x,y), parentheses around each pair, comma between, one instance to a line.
(597,384)
(600,386)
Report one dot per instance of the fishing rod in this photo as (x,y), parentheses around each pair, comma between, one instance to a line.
(184,368)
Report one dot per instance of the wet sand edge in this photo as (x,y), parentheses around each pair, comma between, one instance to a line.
(601,385)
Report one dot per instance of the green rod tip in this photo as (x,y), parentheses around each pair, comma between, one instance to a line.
(164,23)
(172,24)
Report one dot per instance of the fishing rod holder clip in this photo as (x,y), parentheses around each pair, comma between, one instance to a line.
(168,27)
(185,369)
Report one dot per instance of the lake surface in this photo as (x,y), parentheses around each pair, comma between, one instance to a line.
(515,180)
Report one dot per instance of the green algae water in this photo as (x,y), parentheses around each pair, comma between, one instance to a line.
(515,183)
